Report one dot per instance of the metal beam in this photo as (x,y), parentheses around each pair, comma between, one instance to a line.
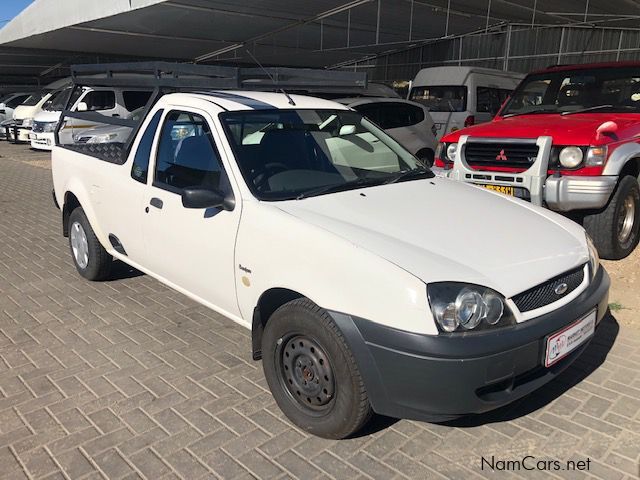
(316,18)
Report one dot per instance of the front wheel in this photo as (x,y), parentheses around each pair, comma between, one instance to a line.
(616,229)
(312,373)
(90,258)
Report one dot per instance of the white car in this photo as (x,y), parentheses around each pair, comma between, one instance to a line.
(110,102)
(408,122)
(317,237)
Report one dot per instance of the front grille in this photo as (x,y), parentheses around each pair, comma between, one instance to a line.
(512,155)
(18,121)
(544,294)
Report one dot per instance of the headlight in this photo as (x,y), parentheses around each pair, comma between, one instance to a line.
(49,127)
(594,258)
(461,307)
(27,122)
(452,151)
(105,138)
(570,157)
(596,156)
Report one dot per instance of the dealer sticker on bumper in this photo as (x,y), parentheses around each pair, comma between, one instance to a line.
(561,343)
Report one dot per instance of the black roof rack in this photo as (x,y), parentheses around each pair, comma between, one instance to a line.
(189,76)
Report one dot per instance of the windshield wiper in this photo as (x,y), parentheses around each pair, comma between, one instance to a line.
(407,174)
(530,112)
(337,187)
(598,107)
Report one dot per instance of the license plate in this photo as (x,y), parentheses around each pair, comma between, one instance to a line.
(505,189)
(561,343)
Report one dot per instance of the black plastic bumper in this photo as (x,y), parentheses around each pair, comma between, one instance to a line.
(439,377)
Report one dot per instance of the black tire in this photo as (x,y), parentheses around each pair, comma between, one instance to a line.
(98,264)
(605,227)
(318,386)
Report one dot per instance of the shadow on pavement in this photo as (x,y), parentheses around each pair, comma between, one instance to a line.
(122,271)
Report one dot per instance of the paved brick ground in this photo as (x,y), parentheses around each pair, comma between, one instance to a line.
(128,379)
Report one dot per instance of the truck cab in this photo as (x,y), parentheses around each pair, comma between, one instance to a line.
(567,139)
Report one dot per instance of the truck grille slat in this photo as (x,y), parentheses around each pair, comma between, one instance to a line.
(513,155)
(544,294)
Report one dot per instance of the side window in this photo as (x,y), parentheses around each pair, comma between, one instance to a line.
(100,100)
(398,115)
(187,156)
(371,111)
(135,99)
(140,168)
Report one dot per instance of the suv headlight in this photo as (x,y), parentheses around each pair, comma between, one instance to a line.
(594,258)
(451,152)
(461,307)
(570,157)
(104,138)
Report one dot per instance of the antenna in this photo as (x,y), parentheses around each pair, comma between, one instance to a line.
(291,102)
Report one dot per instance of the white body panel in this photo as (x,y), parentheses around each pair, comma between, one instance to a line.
(471,78)
(368,252)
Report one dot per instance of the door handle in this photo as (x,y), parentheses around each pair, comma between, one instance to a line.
(156,202)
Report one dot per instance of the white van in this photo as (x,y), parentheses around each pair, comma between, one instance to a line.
(111,102)
(459,97)
(18,130)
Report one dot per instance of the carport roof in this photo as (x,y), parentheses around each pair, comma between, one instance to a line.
(49,35)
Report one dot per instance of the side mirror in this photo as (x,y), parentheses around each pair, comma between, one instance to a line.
(199,197)
(347,130)
(82,107)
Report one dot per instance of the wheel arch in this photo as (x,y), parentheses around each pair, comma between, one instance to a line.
(269,302)
(71,202)
(623,159)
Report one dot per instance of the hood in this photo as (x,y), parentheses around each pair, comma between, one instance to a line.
(441,230)
(46,117)
(575,129)
(25,111)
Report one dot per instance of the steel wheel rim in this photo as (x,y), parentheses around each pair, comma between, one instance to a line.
(626,219)
(306,373)
(79,245)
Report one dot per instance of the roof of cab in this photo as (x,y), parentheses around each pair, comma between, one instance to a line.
(238,100)
(586,66)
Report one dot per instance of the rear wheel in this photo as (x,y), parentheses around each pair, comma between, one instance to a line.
(312,373)
(90,258)
(616,229)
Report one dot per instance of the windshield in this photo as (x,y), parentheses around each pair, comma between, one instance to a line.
(598,90)
(441,98)
(34,99)
(286,154)
(58,100)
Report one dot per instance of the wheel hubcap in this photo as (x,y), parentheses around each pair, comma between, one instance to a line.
(306,372)
(79,245)
(626,219)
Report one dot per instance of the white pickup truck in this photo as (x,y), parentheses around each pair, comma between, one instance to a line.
(302,221)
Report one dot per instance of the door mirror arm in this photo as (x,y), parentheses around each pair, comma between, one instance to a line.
(199,197)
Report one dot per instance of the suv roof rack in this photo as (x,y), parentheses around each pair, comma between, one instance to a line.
(189,76)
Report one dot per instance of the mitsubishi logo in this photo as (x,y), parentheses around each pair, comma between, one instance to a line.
(501,156)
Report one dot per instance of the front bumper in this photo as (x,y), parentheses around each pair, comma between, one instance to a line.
(42,140)
(17,133)
(564,194)
(435,378)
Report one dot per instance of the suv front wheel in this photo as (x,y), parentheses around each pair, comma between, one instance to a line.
(615,230)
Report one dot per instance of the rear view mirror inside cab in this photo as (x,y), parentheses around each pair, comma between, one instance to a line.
(347,130)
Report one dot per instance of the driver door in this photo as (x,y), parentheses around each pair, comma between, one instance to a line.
(191,249)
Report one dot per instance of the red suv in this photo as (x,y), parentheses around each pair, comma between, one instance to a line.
(568,139)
